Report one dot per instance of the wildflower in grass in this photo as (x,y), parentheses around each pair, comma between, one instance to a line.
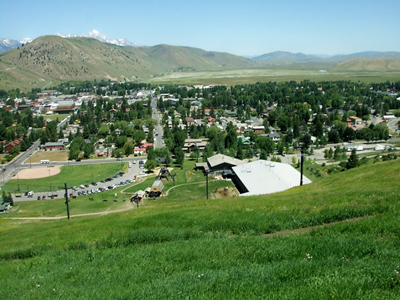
(54,290)
(308,256)
(38,285)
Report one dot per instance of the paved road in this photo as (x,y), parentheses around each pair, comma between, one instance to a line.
(158,131)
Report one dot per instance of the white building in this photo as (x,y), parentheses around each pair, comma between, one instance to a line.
(265,177)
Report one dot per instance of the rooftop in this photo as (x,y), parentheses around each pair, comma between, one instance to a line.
(266,177)
(220,159)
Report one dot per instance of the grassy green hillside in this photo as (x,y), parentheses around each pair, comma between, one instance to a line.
(220,249)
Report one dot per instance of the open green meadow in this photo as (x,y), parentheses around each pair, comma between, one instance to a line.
(181,248)
(279,73)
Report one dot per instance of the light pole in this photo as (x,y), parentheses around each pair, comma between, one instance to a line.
(18,182)
(50,181)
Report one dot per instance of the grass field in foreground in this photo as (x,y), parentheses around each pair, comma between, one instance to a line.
(217,248)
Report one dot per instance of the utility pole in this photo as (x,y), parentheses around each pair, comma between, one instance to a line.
(66,199)
(301,168)
(207,183)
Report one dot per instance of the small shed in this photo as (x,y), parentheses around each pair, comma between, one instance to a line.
(157,187)
(138,196)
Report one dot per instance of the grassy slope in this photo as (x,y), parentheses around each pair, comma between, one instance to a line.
(216,249)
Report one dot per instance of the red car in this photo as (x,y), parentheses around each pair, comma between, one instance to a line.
(44,197)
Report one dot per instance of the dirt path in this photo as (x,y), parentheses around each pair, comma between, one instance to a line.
(287,232)
(102,213)
(182,184)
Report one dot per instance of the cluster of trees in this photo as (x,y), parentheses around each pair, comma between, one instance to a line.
(118,123)
(7,198)
(16,125)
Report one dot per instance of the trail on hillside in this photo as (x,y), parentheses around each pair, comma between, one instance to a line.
(107,212)
(304,229)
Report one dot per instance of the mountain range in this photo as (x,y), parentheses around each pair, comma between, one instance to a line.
(7,44)
(102,38)
(56,59)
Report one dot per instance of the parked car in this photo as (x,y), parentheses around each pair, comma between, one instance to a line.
(43,197)
(38,198)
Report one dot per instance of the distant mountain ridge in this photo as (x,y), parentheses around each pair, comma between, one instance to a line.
(102,38)
(7,44)
(284,56)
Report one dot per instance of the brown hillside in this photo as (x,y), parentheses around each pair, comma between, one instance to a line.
(381,65)
(55,59)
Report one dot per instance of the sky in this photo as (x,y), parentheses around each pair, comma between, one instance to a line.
(246,28)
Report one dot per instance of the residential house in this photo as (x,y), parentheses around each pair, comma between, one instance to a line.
(258,129)
(10,146)
(53,146)
(189,121)
(191,144)
(139,150)
(274,136)
(245,141)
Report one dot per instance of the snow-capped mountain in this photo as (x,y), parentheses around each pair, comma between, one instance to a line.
(102,38)
(6,44)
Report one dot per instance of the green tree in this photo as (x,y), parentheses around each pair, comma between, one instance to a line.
(150,165)
(151,154)
(138,136)
(353,160)
(239,153)
(103,131)
(337,153)
(179,156)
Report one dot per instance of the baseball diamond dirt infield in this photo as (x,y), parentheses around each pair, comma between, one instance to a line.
(38,172)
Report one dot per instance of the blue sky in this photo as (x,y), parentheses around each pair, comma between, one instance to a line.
(238,27)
